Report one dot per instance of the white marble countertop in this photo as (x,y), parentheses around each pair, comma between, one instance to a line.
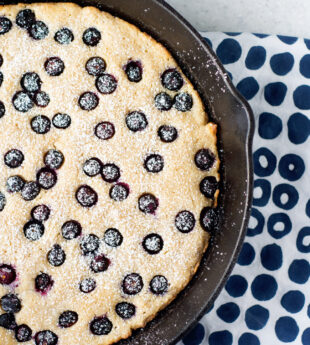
(286,17)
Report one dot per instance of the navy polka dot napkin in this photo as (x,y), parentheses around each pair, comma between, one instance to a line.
(267,297)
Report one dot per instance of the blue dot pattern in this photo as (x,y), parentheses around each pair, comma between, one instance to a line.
(266,300)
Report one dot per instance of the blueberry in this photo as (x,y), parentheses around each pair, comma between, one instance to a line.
(132,284)
(92,167)
(172,80)
(14,184)
(67,319)
(2,201)
(100,264)
(113,238)
(54,66)
(10,303)
(163,101)
(136,121)
(71,229)
(41,99)
(208,219)
(159,285)
(91,37)
(110,173)
(183,102)
(30,190)
(7,320)
(2,109)
(14,158)
(25,18)
(1,78)
(148,203)
(204,159)
(53,159)
(133,70)
(40,124)
(89,244)
(56,256)
(40,213)
(95,66)
(31,82)
(208,186)
(23,333)
(33,230)
(1,60)
(100,326)
(46,338)
(5,25)
(154,163)
(125,310)
(22,101)
(87,285)
(106,83)
(43,283)
(86,196)
(153,243)
(64,36)
(46,178)
(104,130)
(61,121)
(38,30)
(119,192)
(7,274)
(185,221)
(88,101)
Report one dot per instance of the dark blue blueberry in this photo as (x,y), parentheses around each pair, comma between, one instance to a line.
(248,87)
(2,201)
(208,186)
(208,219)
(280,231)
(95,66)
(172,80)
(271,257)
(204,159)
(167,134)
(38,30)
(31,82)
(104,130)
(256,317)
(88,101)
(125,310)
(136,121)
(30,190)
(88,285)
(229,51)
(2,109)
(282,63)
(291,167)
(40,124)
(148,203)
(91,37)
(40,213)
(106,83)
(260,222)
(41,99)
(43,283)
(100,326)
(22,101)
(247,255)
(236,286)
(46,178)
(159,285)
(53,159)
(67,319)
(183,102)
(228,312)
(269,126)
(100,263)
(185,221)
(265,187)
(56,256)
(25,18)
(110,172)
(61,121)
(5,25)
(154,163)
(163,101)
(113,238)
(86,196)
(46,338)
(275,93)
(64,36)
(132,284)
(14,158)
(293,301)
(71,229)
(14,184)
(264,287)
(7,320)
(289,191)
(33,230)
(153,244)
(10,303)
(119,192)
(92,167)
(134,71)
(89,244)
(7,274)
(54,66)
(286,329)
(23,333)
(256,58)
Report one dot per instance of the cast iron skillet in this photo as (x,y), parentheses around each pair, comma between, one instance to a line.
(234,117)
